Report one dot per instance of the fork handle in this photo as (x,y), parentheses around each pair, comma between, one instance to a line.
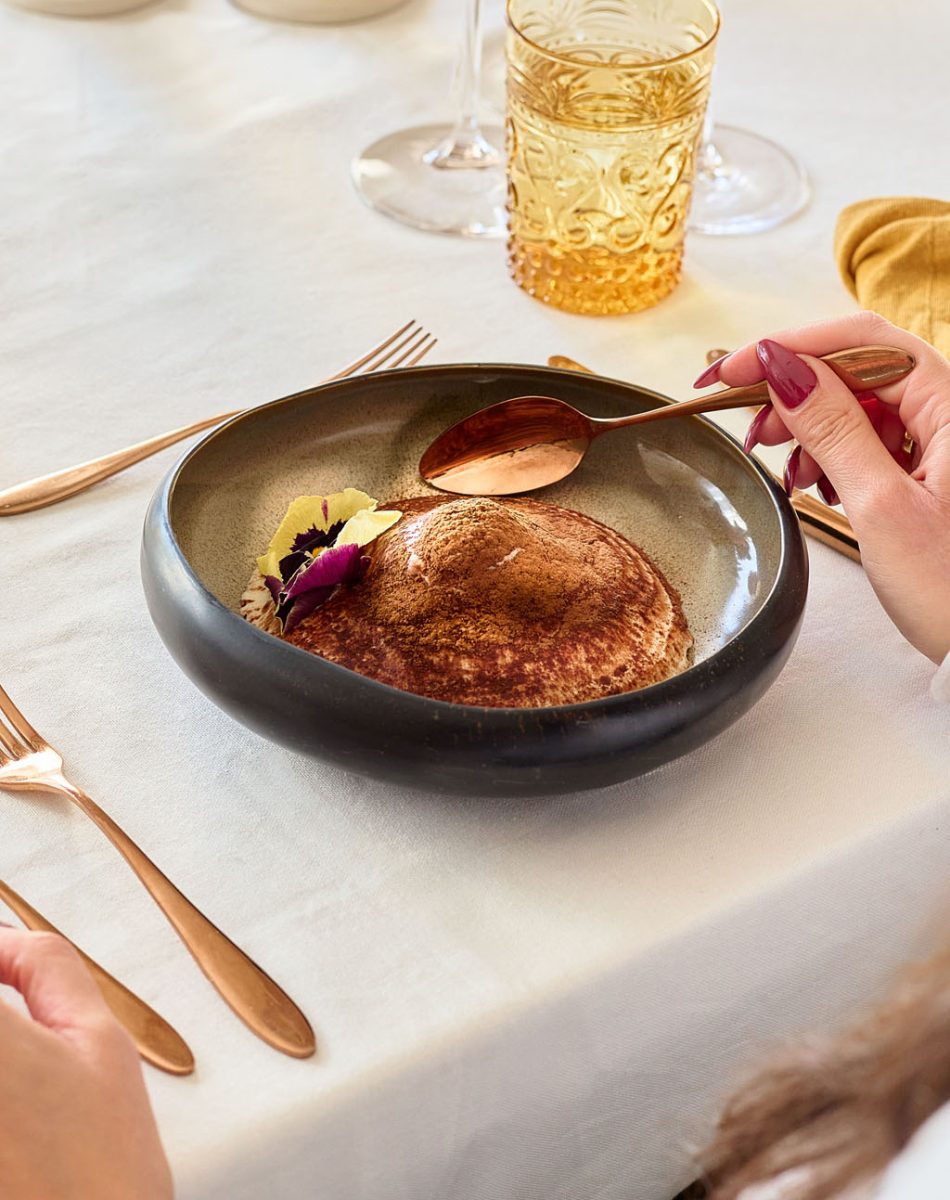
(60,485)
(254,996)
(156,1041)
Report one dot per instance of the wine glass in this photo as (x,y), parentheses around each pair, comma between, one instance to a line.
(443,178)
(745,183)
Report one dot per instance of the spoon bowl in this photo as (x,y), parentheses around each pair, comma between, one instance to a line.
(518,445)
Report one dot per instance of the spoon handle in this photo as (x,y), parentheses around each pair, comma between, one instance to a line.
(862,369)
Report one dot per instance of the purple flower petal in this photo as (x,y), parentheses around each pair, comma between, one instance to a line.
(339,564)
(295,610)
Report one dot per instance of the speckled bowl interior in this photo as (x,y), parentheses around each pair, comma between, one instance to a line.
(709,516)
(681,489)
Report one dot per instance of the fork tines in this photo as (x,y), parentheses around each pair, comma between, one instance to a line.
(411,344)
(26,735)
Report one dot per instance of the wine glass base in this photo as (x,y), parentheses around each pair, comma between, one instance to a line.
(754,185)
(397,176)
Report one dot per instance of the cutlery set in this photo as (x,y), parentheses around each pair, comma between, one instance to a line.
(491,451)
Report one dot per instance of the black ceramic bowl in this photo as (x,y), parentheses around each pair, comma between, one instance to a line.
(713,520)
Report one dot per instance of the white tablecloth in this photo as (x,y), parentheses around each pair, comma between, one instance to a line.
(514,1000)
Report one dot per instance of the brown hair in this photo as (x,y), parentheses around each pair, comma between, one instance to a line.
(834,1111)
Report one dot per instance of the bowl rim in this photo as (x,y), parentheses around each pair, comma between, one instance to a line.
(791,542)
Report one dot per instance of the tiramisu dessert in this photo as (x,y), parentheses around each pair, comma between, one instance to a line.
(512,603)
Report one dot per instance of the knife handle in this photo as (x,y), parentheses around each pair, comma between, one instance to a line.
(156,1041)
(825,524)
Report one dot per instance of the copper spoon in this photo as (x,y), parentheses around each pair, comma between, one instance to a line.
(529,442)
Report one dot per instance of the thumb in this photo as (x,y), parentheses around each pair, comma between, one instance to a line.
(826,418)
(52,979)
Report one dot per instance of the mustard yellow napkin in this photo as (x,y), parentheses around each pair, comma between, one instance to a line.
(894,256)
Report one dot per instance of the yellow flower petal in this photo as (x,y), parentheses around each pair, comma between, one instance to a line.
(367,525)
(343,505)
(311,512)
(304,513)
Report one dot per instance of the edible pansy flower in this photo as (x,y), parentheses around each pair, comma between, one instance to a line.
(317,548)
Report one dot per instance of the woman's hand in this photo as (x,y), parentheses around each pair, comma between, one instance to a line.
(75,1121)
(899,506)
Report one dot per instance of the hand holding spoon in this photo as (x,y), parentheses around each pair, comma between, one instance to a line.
(529,442)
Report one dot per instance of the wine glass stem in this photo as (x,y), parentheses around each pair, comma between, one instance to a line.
(710,160)
(466,145)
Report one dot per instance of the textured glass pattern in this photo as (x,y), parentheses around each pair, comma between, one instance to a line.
(605,110)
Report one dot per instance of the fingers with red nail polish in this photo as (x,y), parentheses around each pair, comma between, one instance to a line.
(710,374)
(792,477)
(827,492)
(802,469)
(790,377)
(790,474)
(845,438)
(771,429)
(793,380)
(856,449)
(755,428)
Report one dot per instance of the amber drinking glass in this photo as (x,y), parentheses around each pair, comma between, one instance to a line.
(605,111)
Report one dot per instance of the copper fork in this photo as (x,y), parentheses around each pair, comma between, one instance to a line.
(156,1041)
(406,347)
(28,763)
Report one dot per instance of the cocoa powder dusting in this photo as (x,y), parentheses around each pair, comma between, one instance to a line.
(513,603)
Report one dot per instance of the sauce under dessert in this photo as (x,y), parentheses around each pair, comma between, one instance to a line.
(503,603)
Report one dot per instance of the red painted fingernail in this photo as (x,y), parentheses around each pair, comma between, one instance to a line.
(876,416)
(752,437)
(792,379)
(711,374)
(790,474)
(827,492)
(873,410)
